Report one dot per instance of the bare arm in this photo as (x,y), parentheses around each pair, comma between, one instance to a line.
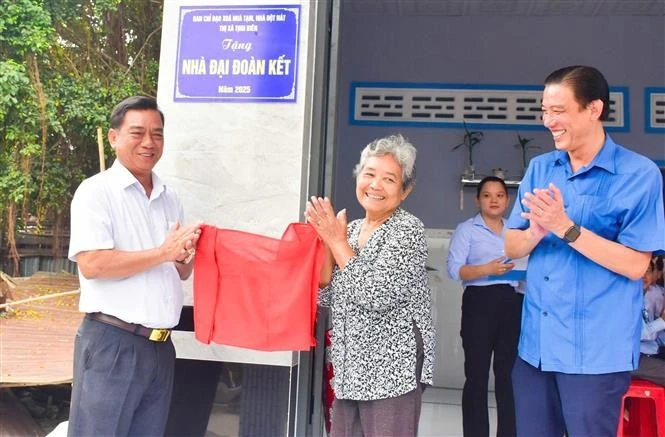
(520,243)
(326,269)
(546,211)
(113,263)
(612,255)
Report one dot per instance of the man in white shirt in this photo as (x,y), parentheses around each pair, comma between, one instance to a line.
(132,253)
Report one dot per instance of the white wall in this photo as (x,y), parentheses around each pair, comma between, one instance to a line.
(236,165)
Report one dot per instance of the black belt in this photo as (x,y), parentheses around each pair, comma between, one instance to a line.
(151,334)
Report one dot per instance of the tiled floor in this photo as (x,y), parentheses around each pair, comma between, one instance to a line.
(441,414)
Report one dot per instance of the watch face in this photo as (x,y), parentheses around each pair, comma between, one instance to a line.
(572,234)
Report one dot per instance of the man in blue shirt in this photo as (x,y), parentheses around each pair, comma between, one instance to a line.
(590,213)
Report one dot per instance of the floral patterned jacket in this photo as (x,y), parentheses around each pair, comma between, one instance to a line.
(375,302)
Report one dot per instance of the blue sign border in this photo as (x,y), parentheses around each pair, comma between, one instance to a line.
(647,110)
(290,98)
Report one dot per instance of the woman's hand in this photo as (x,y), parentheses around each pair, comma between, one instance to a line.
(320,214)
(499,266)
(331,228)
(496,267)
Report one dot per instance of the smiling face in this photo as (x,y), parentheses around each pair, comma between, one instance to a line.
(571,125)
(139,142)
(492,200)
(379,186)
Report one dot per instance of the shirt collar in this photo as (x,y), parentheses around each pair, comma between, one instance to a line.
(126,179)
(604,159)
(479,221)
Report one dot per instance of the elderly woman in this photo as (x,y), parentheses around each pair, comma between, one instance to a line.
(375,283)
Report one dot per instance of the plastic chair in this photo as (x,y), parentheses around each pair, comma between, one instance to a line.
(642,410)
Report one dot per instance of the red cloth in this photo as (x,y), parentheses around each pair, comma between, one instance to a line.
(257,292)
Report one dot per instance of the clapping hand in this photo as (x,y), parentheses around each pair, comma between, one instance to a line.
(320,214)
(180,243)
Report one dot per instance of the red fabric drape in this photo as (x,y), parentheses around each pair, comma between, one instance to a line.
(257,292)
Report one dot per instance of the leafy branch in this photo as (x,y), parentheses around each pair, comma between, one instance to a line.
(523,145)
(471,138)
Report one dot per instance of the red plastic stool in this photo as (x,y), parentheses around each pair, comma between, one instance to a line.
(642,410)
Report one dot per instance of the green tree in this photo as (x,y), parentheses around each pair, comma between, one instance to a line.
(64,65)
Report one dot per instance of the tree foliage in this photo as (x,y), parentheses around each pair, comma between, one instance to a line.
(63,65)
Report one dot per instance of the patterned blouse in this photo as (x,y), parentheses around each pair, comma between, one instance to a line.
(375,302)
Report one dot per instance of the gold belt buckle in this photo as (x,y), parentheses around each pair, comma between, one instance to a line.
(160,335)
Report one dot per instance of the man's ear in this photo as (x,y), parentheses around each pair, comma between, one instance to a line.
(596,107)
(112,136)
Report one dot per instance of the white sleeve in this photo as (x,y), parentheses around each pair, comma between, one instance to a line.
(91,227)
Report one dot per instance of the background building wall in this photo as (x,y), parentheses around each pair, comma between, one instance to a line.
(499,50)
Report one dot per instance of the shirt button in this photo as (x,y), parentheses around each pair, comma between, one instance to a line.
(547,278)
(544,313)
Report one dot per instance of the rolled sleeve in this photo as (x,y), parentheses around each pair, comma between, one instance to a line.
(91,227)
(458,253)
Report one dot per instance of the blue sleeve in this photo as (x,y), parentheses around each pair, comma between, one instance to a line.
(458,254)
(646,216)
(515,219)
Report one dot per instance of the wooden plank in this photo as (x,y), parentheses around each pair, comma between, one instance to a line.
(37,339)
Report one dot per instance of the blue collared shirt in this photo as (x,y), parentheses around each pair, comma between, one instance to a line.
(578,316)
(474,243)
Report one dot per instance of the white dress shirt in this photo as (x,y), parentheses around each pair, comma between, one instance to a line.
(112,211)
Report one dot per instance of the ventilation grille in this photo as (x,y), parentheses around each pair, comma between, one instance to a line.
(450,105)
(655,109)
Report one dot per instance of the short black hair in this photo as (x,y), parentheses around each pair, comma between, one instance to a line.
(588,84)
(487,179)
(134,102)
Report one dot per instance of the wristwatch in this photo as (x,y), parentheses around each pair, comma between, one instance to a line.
(572,234)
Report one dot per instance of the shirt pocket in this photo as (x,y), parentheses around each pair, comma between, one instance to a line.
(596,213)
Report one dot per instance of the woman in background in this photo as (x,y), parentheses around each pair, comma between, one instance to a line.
(375,283)
(491,310)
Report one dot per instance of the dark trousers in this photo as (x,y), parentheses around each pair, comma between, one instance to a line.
(122,383)
(547,404)
(491,318)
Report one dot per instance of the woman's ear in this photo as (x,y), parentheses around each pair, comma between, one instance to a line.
(406,193)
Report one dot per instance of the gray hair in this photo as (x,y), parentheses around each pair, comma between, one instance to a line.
(397,146)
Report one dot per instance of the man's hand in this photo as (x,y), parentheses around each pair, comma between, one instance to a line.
(546,212)
(180,242)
